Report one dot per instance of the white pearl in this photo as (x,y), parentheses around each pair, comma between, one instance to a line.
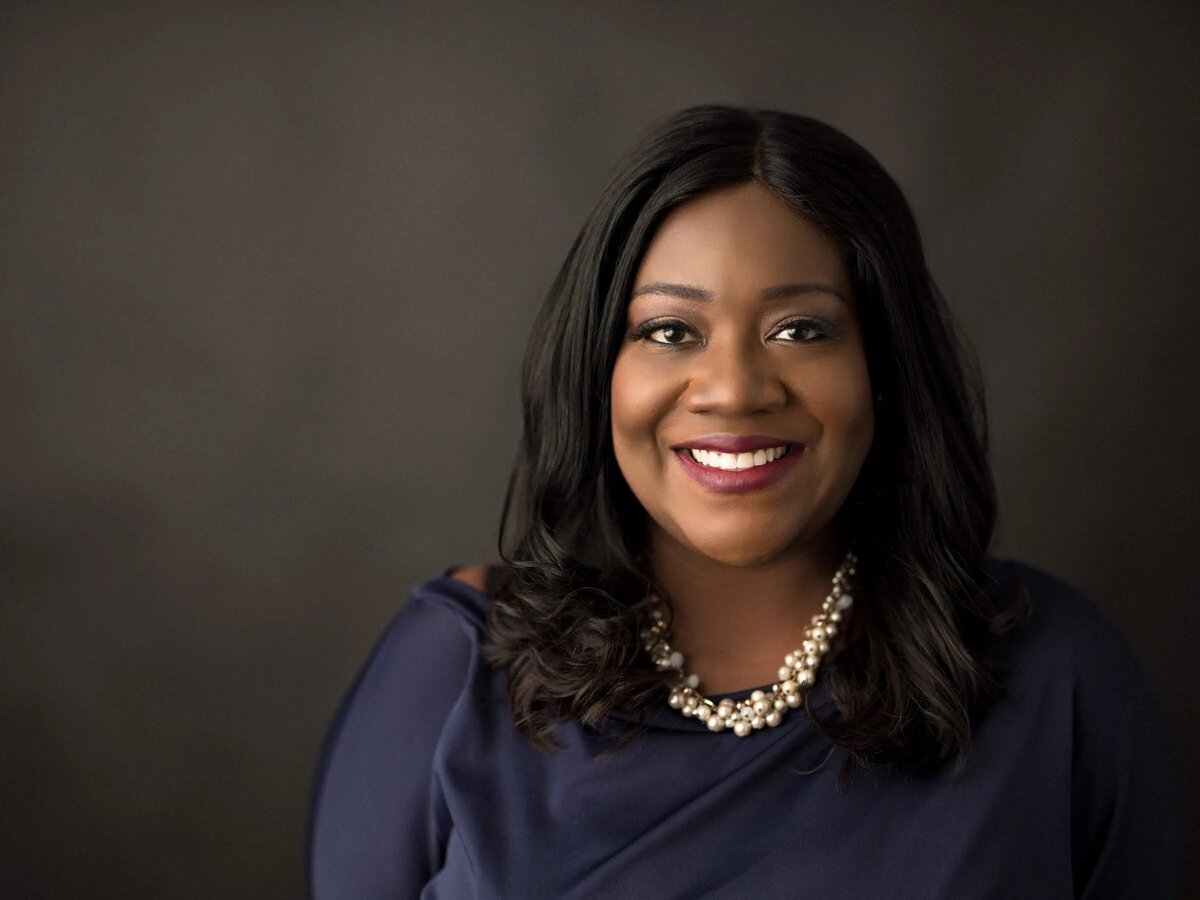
(676,660)
(804,677)
(781,704)
(789,687)
(789,660)
(774,717)
(818,634)
(762,707)
(785,672)
(810,647)
(830,629)
(741,728)
(716,723)
(757,695)
(757,722)
(835,616)
(703,711)
(675,700)
(844,602)
(811,661)
(793,700)
(747,712)
(823,647)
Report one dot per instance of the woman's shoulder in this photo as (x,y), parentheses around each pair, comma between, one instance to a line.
(383,740)
(1065,634)
(428,646)
(463,591)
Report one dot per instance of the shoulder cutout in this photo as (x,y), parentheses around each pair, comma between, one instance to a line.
(475,576)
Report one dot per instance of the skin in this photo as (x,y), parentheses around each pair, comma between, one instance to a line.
(744,573)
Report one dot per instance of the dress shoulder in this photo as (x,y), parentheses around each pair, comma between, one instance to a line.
(1073,669)
(374,814)
(1067,634)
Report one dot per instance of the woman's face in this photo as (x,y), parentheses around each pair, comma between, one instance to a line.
(741,323)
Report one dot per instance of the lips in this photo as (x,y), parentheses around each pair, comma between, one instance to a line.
(724,481)
(734,443)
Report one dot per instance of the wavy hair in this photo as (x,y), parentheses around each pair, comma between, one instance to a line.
(909,677)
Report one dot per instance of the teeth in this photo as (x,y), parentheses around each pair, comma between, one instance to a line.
(734,462)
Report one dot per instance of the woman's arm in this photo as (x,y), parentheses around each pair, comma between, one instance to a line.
(1126,808)
(372,826)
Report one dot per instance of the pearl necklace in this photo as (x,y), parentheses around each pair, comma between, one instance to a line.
(797,674)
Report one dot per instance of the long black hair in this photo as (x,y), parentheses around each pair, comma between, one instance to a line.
(909,676)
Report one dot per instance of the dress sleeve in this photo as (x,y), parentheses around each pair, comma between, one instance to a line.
(373,829)
(1126,813)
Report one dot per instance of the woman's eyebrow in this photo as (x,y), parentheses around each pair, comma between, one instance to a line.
(695,294)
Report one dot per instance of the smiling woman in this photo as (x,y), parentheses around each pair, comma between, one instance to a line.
(745,546)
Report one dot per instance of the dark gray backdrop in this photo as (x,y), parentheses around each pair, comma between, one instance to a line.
(266,274)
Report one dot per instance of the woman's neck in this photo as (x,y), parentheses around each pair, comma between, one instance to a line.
(735,624)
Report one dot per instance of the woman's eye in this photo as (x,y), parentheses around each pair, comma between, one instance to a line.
(804,332)
(672,333)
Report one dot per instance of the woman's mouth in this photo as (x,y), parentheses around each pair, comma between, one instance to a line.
(736,473)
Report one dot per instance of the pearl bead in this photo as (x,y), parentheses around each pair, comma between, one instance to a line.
(844,602)
(781,704)
(741,728)
(774,717)
(785,672)
(762,707)
(757,722)
(747,712)
(789,660)
(757,695)
(715,723)
(703,711)
(789,687)
(675,700)
(676,660)
(823,648)
(818,634)
(804,677)
(835,616)
(693,681)
(792,700)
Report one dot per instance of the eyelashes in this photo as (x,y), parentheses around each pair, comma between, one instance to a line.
(820,330)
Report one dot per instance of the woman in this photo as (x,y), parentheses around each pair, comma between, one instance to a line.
(747,639)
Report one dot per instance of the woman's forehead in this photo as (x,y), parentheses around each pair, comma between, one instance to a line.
(741,239)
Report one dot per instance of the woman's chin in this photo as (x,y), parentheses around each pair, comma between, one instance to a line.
(739,555)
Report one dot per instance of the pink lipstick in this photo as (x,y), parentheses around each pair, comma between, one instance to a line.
(726,481)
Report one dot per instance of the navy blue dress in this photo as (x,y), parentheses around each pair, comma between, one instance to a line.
(424,788)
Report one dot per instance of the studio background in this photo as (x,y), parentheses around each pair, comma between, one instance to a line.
(266,276)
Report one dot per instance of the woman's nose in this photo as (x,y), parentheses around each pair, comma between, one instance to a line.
(734,377)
